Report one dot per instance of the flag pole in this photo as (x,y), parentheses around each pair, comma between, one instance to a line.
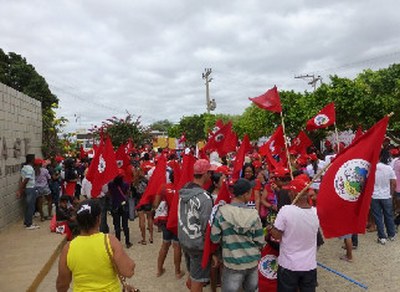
(317,176)
(337,137)
(286,146)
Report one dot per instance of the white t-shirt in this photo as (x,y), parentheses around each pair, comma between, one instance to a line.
(298,248)
(384,173)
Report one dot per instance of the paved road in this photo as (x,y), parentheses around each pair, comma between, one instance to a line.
(23,253)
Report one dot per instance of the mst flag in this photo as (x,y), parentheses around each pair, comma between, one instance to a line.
(300,143)
(274,146)
(103,168)
(223,140)
(345,193)
(325,118)
(269,101)
(124,162)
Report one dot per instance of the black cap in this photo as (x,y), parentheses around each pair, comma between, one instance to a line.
(242,186)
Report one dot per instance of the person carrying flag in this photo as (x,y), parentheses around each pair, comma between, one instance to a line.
(297,227)
(194,209)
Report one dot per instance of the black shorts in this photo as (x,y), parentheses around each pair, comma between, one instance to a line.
(167,235)
(145,208)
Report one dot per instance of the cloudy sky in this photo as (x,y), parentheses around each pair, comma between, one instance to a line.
(102,58)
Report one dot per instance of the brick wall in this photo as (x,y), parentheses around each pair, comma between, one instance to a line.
(20,134)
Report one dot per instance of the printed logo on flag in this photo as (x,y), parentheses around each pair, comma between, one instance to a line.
(272,146)
(321,120)
(219,137)
(350,179)
(296,142)
(102,164)
(268,267)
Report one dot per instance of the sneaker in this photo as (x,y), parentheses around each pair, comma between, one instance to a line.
(32,227)
(382,241)
(393,238)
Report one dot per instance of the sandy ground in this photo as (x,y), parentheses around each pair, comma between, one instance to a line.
(23,253)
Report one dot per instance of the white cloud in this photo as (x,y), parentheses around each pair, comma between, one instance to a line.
(103,58)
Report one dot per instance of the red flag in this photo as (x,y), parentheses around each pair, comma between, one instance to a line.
(268,269)
(186,176)
(209,246)
(325,118)
(103,168)
(345,193)
(82,153)
(156,181)
(243,149)
(301,143)
(124,162)
(270,100)
(274,146)
(223,140)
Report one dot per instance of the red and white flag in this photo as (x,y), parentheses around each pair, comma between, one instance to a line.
(275,146)
(223,140)
(269,101)
(103,168)
(124,162)
(325,118)
(300,143)
(345,193)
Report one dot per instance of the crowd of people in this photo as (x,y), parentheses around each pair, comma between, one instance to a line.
(267,213)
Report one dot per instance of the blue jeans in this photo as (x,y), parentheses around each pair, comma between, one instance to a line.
(30,200)
(382,210)
(233,280)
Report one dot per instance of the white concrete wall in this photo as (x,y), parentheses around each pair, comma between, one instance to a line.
(20,134)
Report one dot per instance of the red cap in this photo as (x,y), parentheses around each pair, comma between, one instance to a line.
(281,171)
(223,169)
(201,166)
(38,161)
(298,184)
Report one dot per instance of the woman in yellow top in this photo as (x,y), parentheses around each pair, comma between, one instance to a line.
(85,258)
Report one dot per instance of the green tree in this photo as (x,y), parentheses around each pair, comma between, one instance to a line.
(121,130)
(162,125)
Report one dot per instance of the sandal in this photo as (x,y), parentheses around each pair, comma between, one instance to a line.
(142,242)
(150,240)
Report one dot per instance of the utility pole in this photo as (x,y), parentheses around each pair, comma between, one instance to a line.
(313,81)
(210,103)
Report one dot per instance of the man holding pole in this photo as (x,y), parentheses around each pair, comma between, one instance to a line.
(297,226)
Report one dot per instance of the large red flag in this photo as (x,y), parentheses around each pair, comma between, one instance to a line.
(186,176)
(325,118)
(270,100)
(209,247)
(243,149)
(223,140)
(103,168)
(301,143)
(274,146)
(345,193)
(156,181)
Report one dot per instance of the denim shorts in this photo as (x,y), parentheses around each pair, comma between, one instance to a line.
(167,235)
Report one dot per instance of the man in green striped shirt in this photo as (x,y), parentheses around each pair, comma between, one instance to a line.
(239,231)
